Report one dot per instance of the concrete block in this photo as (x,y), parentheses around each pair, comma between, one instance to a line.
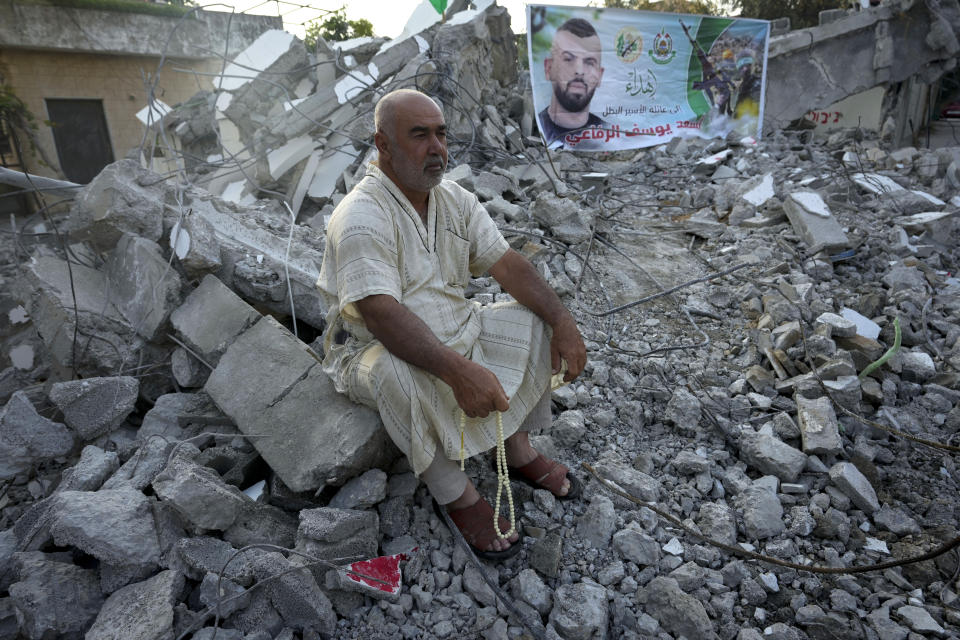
(295,594)
(198,494)
(259,256)
(259,523)
(188,371)
(805,210)
(27,438)
(89,474)
(114,526)
(271,384)
(173,411)
(197,556)
(338,533)
(53,598)
(140,611)
(123,198)
(95,406)
(855,485)
(195,244)
(45,291)
(770,455)
(210,318)
(819,429)
(145,289)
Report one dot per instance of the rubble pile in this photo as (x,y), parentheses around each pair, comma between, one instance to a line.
(174,463)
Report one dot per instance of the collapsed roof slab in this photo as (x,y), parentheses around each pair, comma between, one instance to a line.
(821,65)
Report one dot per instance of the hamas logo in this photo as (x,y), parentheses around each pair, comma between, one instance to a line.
(629,44)
(662,51)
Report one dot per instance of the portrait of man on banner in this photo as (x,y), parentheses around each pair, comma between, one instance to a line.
(606,79)
(574,69)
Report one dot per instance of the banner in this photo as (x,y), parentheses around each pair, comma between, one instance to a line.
(609,79)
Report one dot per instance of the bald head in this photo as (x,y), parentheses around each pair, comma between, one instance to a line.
(397,103)
(411,139)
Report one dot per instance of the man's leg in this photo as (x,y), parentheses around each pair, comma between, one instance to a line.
(452,488)
(519,450)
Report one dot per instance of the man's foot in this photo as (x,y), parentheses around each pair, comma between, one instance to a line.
(474,518)
(538,470)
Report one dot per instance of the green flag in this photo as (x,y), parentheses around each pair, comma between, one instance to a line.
(439,5)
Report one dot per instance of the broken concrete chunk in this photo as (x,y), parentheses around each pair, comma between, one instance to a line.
(333,534)
(865,326)
(199,494)
(195,557)
(679,613)
(174,411)
(145,288)
(47,290)
(683,410)
(903,278)
(210,318)
(114,526)
(812,221)
(634,482)
(562,217)
(271,383)
(855,485)
(769,455)
(141,611)
(194,242)
(95,406)
(819,429)
(27,438)
(839,326)
(295,594)
(89,474)
(54,599)
(580,610)
(123,198)
(762,513)
(362,492)
(917,366)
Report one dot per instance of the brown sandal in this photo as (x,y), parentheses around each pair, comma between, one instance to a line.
(476,525)
(544,473)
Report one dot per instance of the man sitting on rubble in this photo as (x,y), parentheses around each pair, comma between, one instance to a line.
(450,378)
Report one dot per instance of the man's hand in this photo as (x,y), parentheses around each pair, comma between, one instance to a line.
(520,279)
(477,390)
(567,344)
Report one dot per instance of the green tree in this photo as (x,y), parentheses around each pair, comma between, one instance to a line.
(702,7)
(336,27)
(802,13)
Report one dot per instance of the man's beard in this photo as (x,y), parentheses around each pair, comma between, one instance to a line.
(571,103)
(418,178)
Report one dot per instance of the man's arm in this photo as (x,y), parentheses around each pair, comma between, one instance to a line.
(520,279)
(476,388)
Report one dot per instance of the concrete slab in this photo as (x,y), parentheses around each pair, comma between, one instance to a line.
(27,438)
(210,318)
(123,198)
(95,406)
(272,385)
(144,286)
(819,429)
(805,210)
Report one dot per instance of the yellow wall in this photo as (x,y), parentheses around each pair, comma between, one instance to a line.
(117,80)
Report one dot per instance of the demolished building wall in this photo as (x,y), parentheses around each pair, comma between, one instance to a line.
(813,68)
(121,61)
